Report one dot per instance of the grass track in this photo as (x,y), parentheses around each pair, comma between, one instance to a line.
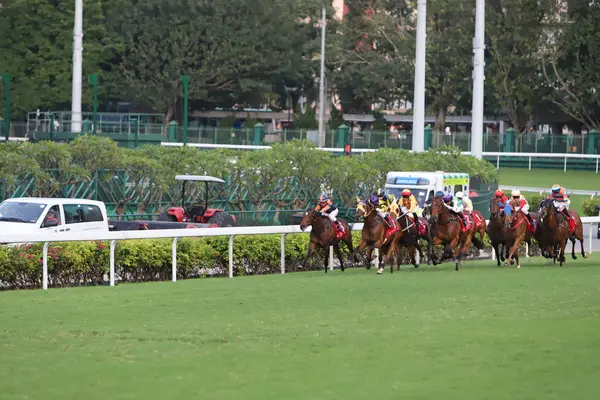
(582,180)
(482,333)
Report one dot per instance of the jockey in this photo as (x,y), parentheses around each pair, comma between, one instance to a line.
(561,200)
(455,205)
(501,198)
(327,209)
(409,204)
(523,206)
(466,202)
(381,207)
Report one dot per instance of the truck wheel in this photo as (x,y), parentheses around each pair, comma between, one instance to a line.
(164,216)
(221,219)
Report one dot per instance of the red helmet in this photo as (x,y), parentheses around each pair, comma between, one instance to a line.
(499,193)
(406,192)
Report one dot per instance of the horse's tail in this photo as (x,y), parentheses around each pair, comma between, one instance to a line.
(478,243)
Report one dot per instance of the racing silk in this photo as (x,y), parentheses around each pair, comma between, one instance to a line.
(503,201)
(455,205)
(410,203)
(468,205)
(327,207)
(522,202)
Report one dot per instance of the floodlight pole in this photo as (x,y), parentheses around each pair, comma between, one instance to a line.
(418,139)
(478,79)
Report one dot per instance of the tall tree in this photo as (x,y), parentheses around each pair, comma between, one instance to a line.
(228,49)
(450,32)
(371,57)
(36,38)
(572,53)
(515,30)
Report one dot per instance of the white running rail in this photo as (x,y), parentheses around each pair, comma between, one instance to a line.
(176,234)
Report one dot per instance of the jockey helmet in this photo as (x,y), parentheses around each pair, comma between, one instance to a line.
(374,200)
(380,192)
(555,188)
(439,193)
(499,193)
(405,193)
(447,198)
(323,198)
(516,193)
(459,195)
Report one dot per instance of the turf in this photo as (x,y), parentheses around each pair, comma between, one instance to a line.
(482,333)
(582,180)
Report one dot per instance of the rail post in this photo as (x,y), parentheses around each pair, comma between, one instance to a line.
(591,238)
(45,267)
(174,260)
(283,253)
(331,258)
(231,256)
(113,244)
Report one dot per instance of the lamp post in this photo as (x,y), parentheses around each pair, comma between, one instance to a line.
(185,80)
(94,82)
(418,139)
(322,83)
(5,78)
(478,79)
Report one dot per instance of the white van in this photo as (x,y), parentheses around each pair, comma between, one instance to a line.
(35,214)
(423,185)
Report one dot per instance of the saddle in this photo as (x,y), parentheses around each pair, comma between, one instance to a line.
(421,227)
(571,221)
(390,230)
(467,226)
(338,228)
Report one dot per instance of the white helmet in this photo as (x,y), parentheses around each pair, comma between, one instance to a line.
(516,192)
(459,195)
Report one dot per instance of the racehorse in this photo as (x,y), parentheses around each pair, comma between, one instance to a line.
(497,231)
(577,235)
(399,239)
(411,235)
(517,230)
(556,228)
(373,233)
(448,231)
(323,235)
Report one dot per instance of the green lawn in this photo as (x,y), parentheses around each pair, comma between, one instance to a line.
(582,180)
(431,333)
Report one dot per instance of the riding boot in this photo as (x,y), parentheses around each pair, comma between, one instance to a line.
(338,225)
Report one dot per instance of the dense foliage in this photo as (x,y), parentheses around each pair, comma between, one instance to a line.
(288,176)
(538,52)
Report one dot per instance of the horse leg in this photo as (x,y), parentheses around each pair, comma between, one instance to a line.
(311,248)
(573,240)
(583,253)
(353,255)
(381,263)
(563,244)
(336,248)
(513,250)
(497,252)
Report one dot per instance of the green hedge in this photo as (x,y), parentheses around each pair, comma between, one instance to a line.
(288,177)
(589,207)
(87,263)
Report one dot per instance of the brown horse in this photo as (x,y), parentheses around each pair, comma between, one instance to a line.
(323,235)
(517,231)
(400,239)
(577,235)
(448,230)
(556,228)
(373,234)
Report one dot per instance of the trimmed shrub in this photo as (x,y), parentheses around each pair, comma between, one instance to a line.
(589,207)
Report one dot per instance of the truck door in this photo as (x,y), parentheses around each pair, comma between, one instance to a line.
(53,220)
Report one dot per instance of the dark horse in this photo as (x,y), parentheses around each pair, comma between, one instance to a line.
(410,236)
(448,231)
(497,232)
(323,235)
(555,229)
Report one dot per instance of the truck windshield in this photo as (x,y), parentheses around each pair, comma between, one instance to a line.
(419,193)
(21,212)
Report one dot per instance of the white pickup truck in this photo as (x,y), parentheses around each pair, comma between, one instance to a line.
(36,214)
